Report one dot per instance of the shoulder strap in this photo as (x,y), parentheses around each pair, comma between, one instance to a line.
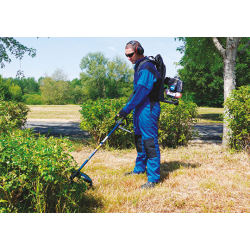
(140,64)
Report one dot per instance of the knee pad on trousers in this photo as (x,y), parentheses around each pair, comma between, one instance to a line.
(149,145)
(138,143)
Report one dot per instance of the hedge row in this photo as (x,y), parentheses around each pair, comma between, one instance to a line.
(175,123)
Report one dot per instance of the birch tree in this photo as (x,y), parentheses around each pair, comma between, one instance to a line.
(229,55)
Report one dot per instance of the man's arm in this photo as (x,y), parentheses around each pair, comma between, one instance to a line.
(145,86)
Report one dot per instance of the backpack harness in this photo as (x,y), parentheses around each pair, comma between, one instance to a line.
(173,84)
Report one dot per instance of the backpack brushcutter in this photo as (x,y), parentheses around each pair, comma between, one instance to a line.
(119,124)
(174,85)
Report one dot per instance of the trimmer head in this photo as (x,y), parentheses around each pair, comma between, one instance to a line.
(85,177)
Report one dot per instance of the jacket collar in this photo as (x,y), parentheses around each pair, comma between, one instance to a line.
(139,61)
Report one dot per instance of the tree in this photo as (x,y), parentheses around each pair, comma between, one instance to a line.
(202,71)
(95,67)
(229,48)
(16,93)
(28,85)
(9,90)
(75,82)
(120,78)
(5,93)
(104,78)
(55,89)
(77,91)
(229,54)
(15,48)
(40,80)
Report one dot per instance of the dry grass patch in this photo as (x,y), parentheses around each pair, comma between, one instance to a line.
(54,112)
(71,112)
(194,179)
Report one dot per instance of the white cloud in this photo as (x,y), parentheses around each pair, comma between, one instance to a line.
(111,48)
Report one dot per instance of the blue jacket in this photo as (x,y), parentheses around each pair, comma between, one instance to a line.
(143,85)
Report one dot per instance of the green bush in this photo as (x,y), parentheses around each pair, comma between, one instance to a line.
(238,117)
(33,99)
(34,175)
(174,125)
(98,119)
(12,115)
(16,93)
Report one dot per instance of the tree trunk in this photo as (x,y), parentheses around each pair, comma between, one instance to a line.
(229,58)
(229,79)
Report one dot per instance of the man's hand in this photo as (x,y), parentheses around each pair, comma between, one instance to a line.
(122,114)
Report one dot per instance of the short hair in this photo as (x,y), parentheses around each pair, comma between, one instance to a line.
(133,43)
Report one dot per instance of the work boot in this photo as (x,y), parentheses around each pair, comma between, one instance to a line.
(132,173)
(149,184)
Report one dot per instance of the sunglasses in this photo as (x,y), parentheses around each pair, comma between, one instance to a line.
(129,55)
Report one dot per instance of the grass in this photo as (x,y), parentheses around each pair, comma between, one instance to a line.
(210,115)
(54,112)
(71,112)
(200,178)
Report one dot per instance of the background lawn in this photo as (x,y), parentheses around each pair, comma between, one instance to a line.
(213,115)
(71,112)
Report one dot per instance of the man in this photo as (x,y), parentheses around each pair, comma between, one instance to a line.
(146,108)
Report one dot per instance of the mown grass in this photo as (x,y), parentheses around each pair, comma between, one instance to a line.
(71,112)
(210,115)
(54,112)
(200,178)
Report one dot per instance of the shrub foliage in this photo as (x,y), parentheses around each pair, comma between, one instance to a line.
(176,122)
(238,117)
(98,119)
(12,115)
(34,170)
(34,175)
(174,125)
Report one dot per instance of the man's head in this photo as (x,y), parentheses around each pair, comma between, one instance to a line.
(134,51)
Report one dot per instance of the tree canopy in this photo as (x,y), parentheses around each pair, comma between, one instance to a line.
(203,69)
(55,88)
(104,78)
(11,45)
(100,78)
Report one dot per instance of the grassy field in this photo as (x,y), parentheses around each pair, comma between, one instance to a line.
(71,112)
(201,178)
(54,112)
(213,115)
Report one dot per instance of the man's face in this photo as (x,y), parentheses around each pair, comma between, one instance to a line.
(134,58)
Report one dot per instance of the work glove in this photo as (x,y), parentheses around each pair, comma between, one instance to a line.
(122,114)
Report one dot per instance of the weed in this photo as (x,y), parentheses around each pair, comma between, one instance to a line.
(180,203)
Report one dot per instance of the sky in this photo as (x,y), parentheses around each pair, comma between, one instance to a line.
(67,31)
(65,53)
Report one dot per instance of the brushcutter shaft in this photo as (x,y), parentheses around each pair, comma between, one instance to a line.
(75,174)
(116,126)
